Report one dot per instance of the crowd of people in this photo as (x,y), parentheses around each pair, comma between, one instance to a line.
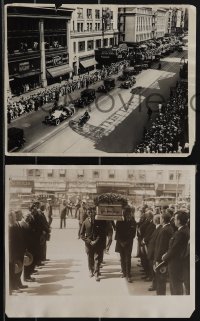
(51,94)
(168,132)
(162,236)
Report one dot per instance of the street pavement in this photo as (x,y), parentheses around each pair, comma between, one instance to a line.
(66,272)
(117,120)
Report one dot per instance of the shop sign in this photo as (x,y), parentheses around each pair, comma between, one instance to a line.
(144,185)
(24,66)
(56,60)
(21,183)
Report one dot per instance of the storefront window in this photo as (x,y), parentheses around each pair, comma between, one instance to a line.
(81,46)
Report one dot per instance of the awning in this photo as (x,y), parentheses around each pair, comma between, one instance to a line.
(88,63)
(59,70)
(28,74)
(21,190)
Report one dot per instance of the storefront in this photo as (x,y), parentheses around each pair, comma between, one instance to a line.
(38,41)
(87,64)
(21,193)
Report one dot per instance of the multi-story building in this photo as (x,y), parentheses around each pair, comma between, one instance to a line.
(92,27)
(37,46)
(160,17)
(168,21)
(84,183)
(135,24)
(178,19)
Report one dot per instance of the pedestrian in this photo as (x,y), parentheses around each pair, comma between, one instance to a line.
(81,215)
(63,213)
(125,233)
(92,233)
(49,210)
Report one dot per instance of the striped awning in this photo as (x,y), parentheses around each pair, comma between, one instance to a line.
(59,70)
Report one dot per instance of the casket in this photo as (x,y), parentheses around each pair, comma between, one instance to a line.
(109,212)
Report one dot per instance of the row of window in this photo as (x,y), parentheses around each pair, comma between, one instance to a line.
(144,36)
(90,44)
(89,14)
(111,174)
(97,26)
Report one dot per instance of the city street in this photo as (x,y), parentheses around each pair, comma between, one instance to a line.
(66,272)
(115,118)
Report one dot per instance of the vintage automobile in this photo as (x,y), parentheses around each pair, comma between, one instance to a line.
(145,66)
(138,68)
(180,49)
(128,83)
(87,97)
(15,138)
(131,71)
(56,117)
(108,84)
(122,77)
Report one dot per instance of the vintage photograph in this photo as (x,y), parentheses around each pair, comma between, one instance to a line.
(110,235)
(99,80)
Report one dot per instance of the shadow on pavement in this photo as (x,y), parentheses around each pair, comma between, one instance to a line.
(47,289)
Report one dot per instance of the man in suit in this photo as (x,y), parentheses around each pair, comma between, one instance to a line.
(175,255)
(93,234)
(151,250)
(161,247)
(125,233)
(150,227)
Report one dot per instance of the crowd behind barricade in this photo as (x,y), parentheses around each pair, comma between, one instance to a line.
(35,101)
(168,132)
(162,236)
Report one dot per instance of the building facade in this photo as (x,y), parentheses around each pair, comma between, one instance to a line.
(37,52)
(92,27)
(160,16)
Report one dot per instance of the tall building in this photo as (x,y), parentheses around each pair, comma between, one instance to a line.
(160,18)
(92,27)
(135,24)
(37,46)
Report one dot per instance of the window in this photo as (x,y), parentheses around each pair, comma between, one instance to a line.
(105,42)
(89,26)
(80,13)
(111,41)
(97,14)
(98,43)
(50,172)
(81,46)
(30,172)
(80,174)
(171,176)
(62,172)
(89,13)
(74,45)
(96,174)
(111,173)
(90,45)
(111,14)
(37,172)
(80,27)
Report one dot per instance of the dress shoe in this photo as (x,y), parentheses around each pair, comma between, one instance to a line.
(151,289)
(23,286)
(129,279)
(30,279)
(97,278)
(91,274)
(123,275)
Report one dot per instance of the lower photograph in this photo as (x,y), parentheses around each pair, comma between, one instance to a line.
(100,241)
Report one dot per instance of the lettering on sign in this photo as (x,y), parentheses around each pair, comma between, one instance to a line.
(21,183)
(24,66)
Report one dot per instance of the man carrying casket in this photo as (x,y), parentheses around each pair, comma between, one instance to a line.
(125,233)
(93,234)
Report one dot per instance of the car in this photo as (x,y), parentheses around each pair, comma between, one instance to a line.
(108,84)
(138,68)
(126,84)
(180,49)
(145,66)
(56,117)
(136,90)
(122,77)
(15,138)
(128,72)
(87,97)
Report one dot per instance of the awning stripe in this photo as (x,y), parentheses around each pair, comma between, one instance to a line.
(59,70)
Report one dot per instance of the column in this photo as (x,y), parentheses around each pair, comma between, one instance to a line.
(69,43)
(42,54)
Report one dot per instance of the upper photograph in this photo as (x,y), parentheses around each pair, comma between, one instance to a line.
(99,80)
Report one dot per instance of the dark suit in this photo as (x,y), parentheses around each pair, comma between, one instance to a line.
(175,258)
(150,253)
(161,247)
(125,233)
(94,230)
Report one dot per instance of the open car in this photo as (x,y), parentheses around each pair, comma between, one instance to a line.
(87,97)
(145,66)
(15,138)
(180,48)
(56,117)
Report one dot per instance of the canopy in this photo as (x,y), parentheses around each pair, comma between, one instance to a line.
(88,63)
(28,74)
(59,70)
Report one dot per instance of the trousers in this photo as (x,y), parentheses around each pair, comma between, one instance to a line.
(94,255)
